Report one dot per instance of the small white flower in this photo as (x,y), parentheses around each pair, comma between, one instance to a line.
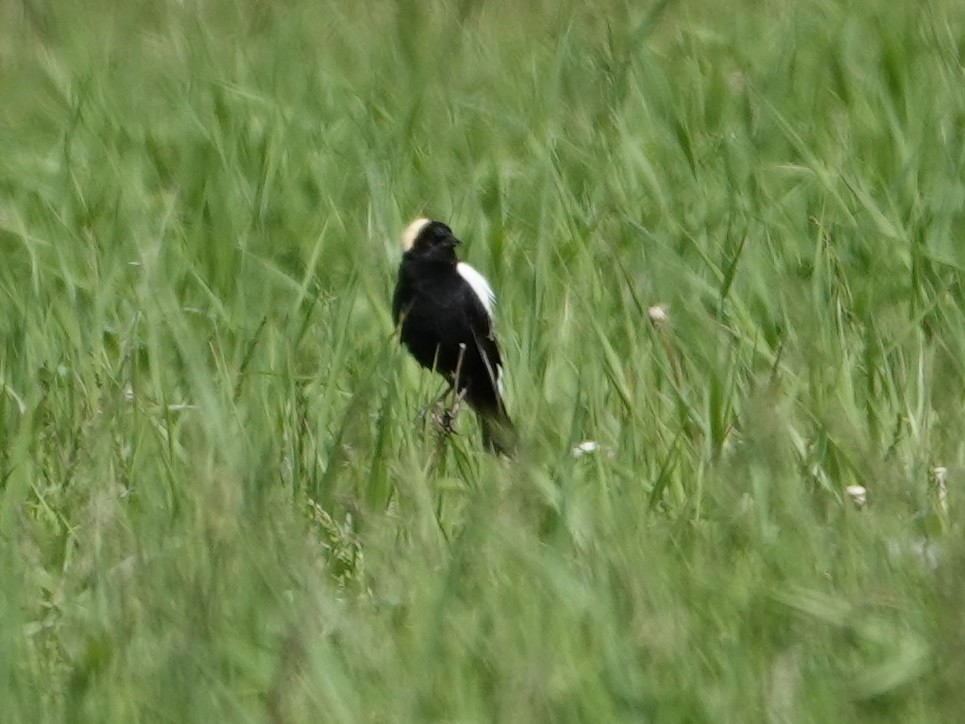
(585,448)
(658,314)
(859,495)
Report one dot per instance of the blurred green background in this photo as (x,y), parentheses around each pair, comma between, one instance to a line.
(217,502)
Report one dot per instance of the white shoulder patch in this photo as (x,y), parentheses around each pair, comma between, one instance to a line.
(479,285)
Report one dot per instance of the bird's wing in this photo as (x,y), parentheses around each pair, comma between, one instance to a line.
(480,321)
(482,325)
(479,285)
(489,351)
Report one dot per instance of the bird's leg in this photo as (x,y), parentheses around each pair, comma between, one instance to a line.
(445,418)
(455,377)
(433,409)
(445,393)
(448,420)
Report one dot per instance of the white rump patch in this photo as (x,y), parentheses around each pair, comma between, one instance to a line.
(479,285)
(412,231)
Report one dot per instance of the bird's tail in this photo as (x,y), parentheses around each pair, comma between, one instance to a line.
(498,432)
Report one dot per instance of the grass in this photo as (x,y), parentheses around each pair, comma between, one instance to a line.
(216,503)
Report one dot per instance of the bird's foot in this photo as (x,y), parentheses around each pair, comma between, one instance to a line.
(443,422)
(444,419)
(441,415)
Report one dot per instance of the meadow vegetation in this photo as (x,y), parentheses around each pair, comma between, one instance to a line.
(217,501)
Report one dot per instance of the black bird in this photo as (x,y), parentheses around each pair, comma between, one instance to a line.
(444,311)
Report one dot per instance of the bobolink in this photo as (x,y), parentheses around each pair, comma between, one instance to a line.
(444,311)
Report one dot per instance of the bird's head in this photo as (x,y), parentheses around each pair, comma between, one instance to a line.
(430,239)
